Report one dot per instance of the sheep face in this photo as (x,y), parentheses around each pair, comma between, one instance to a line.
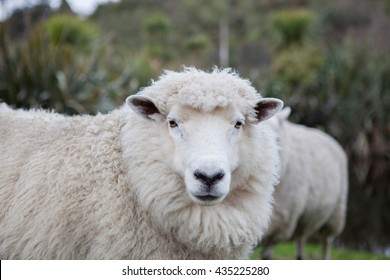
(207,144)
(206,150)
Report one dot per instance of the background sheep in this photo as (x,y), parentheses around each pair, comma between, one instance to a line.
(312,193)
(186,180)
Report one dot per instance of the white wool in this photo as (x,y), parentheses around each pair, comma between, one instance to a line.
(312,193)
(202,90)
(102,187)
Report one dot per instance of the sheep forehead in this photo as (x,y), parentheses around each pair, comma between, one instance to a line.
(205,91)
(187,113)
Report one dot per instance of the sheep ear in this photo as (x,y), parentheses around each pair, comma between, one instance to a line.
(267,107)
(145,107)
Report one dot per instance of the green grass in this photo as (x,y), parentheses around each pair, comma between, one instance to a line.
(286,251)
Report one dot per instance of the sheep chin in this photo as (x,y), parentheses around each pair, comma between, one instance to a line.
(206,200)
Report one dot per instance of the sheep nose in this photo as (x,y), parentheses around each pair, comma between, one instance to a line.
(207,179)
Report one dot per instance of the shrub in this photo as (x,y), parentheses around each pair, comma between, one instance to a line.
(298,66)
(336,18)
(158,28)
(197,43)
(64,29)
(34,72)
(157,24)
(291,25)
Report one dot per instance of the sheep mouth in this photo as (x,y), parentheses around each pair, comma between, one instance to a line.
(207,197)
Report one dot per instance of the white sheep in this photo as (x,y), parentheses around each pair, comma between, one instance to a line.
(312,194)
(188,173)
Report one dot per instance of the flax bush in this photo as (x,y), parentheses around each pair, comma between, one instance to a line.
(39,71)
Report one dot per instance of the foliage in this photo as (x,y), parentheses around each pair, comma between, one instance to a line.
(292,25)
(65,29)
(337,18)
(158,28)
(387,5)
(142,72)
(298,66)
(197,43)
(157,24)
(36,73)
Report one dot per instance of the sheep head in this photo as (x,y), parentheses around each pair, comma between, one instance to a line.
(209,118)
(207,144)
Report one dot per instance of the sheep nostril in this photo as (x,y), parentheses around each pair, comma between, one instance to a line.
(201,176)
(219,176)
(209,179)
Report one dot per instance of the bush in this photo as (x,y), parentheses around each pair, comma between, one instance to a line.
(338,17)
(298,66)
(158,28)
(69,30)
(291,25)
(197,43)
(34,72)
(157,24)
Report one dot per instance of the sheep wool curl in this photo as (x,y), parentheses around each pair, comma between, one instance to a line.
(111,186)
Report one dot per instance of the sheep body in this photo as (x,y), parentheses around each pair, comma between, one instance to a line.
(102,187)
(312,194)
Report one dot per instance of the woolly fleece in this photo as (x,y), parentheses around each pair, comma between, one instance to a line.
(313,188)
(102,187)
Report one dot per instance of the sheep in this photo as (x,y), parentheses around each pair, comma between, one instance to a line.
(185,169)
(312,193)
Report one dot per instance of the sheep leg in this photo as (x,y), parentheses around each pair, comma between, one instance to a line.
(327,243)
(301,242)
(266,254)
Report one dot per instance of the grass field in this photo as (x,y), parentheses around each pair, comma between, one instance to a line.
(286,251)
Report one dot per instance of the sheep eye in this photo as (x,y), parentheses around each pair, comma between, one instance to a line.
(238,124)
(172,124)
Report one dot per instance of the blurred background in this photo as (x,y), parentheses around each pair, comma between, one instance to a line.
(328,60)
